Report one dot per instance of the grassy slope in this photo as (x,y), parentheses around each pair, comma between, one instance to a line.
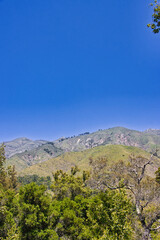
(37,155)
(113,153)
(118,135)
(19,145)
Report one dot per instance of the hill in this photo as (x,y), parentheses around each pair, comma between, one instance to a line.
(153,131)
(117,135)
(20,145)
(36,155)
(148,140)
(112,154)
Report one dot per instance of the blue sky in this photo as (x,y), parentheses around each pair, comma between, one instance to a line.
(70,66)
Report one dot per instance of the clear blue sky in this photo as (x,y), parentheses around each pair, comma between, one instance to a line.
(70,66)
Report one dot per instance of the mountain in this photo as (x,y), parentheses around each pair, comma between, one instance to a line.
(19,145)
(36,155)
(153,131)
(148,140)
(116,135)
(111,154)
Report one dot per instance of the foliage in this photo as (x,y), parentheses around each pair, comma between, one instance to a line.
(94,217)
(143,189)
(113,153)
(8,178)
(8,200)
(158,175)
(34,178)
(34,213)
(80,213)
(2,168)
(106,208)
(68,185)
(155,25)
(70,211)
(82,207)
(8,214)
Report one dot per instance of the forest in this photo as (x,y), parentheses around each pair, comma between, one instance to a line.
(122,204)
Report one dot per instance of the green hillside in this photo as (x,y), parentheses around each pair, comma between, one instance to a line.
(148,140)
(36,155)
(117,135)
(112,153)
(20,145)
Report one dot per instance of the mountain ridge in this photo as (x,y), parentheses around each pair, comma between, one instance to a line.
(146,140)
(111,154)
(21,144)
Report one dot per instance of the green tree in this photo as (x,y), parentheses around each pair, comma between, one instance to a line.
(2,166)
(23,180)
(144,190)
(106,215)
(8,214)
(35,213)
(84,214)
(12,177)
(158,175)
(69,185)
(109,213)
(8,200)
(8,176)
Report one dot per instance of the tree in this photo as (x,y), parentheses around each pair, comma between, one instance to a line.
(12,177)
(145,191)
(2,168)
(71,211)
(158,175)
(8,200)
(80,213)
(69,185)
(155,25)
(35,212)
(8,215)
(23,180)
(8,176)
(109,214)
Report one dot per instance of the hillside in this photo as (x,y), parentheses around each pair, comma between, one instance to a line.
(117,135)
(20,145)
(36,155)
(147,140)
(112,154)
(153,131)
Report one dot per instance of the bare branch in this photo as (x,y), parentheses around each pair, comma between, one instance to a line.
(154,220)
(130,188)
(143,169)
(111,187)
(155,229)
(145,205)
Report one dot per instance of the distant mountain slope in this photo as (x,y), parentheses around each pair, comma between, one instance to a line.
(117,135)
(112,153)
(36,155)
(19,145)
(147,140)
(153,131)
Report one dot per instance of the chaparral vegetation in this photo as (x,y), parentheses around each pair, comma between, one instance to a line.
(120,203)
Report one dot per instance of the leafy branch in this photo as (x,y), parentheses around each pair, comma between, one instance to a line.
(155,25)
